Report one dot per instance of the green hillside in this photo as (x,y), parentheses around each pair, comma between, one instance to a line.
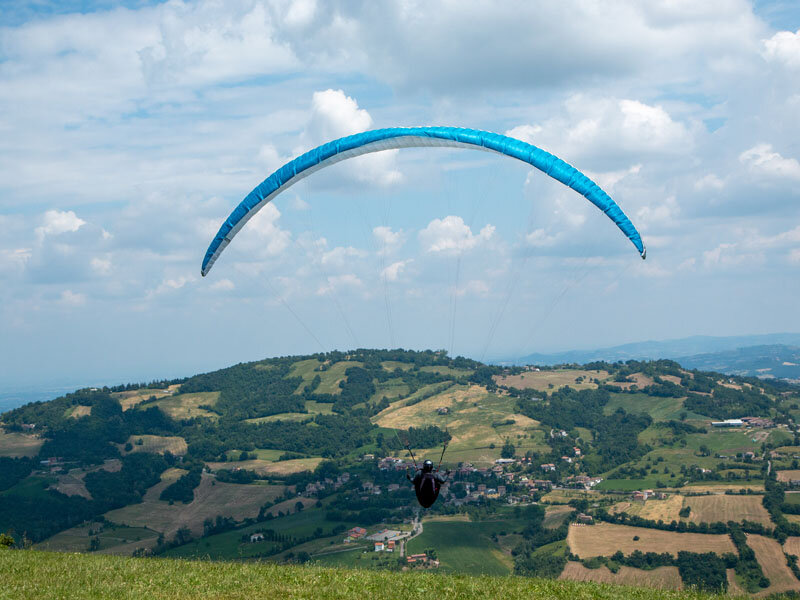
(51,575)
(612,473)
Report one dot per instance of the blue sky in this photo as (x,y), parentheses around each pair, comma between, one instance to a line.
(128,131)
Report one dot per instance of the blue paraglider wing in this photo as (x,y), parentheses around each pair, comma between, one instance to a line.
(408,137)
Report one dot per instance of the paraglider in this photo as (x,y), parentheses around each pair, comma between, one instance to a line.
(427,484)
(411,137)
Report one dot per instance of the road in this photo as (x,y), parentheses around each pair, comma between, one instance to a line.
(416,529)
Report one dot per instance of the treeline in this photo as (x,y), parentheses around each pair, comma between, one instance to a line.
(527,561)
(13,470)
(182,490)
(326,435)
(139,471)
(706,571)
(717,527)
(728,403)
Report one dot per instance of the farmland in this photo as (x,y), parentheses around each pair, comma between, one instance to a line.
(186,406)
(660,578)
(113,539)
(554,379)
(158,444)
(654,510)
(211,498)
(19,444)
(604,539)
(789,475)
(719,507)
(770,556)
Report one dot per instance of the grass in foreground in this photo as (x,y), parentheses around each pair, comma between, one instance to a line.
(30,574)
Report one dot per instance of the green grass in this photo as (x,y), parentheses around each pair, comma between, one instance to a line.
(627,485)
(465,546)
(37,575)
(661,409)
(31,487)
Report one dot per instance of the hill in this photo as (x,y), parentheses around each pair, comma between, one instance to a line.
(607,472)
(775,360)
(50,575)
(655,350)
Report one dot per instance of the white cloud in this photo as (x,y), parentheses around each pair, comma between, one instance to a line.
(70,298)
(784,47)
(56,222)
(335,283)
(262,236)
(341,256)
(335,115)
(659,214)
(101,266)
(794,256)
(763,160)
(388,241)
(223,285)
(709,182)
(474,287)
(393,271)
(452,235)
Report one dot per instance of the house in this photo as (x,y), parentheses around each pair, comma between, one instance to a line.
(501,490)
(390,546)
(639,496)
(584,518)
(504,461)
(548,467)
(28,426)
(393,487)
(442,410)
(577,451)
(749,455)
(567,459)
(481,488)
(369,457)
(256,537)
(379,547)
(357,532)
(728,423)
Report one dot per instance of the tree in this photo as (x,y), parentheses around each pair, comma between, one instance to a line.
(508,450)
(6,541)
(298,507)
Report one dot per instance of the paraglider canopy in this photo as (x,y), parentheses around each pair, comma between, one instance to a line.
(409,137)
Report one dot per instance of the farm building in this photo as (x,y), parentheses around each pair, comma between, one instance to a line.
(728,423)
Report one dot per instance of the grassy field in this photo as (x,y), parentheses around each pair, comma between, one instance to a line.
(604,539)
(187,406)
(211,498)
(719,507)
(330,377)
(19,444)
(666,578)
(788,475)
(229,545)
(665,510)
(270,466)
(131,398)
(770,556)
(114,539)
(79,411)
(158,443)
(792,546)
(462,547)
(472,411)
(37,575)
(554,516)
(312,408)
(660,409)
(552,380)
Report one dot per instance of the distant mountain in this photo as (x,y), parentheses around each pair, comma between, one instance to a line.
(775,360)
(652,350)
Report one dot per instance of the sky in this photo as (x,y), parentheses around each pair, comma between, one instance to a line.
(130,130)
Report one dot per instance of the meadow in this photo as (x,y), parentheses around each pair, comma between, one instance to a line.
(75,576)
(660,578)
(604,539)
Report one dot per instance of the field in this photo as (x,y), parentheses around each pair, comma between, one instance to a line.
(229,545)
(604,539)
(187,406)
(554,516)
(472,411)
(719,507)
(666,578)
(661,409)
(157,443)
(270,467)
(462,547)
(211,498)
(792,546)
(552,380)
(788,475)
(330,378)
(770,556)
(720,486)
(19,444)
(313,408)
(79,411)
(131,398)
(114,539)
(665,510)
(55,575)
